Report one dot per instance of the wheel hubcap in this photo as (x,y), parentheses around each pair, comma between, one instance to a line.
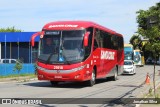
(93,76)
(115,75)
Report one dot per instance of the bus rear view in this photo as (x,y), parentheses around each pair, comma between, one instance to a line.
(128,52)
(67,53)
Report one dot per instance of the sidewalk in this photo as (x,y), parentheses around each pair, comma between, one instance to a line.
(152,105)
(141,92)
(145,92)
(17,79)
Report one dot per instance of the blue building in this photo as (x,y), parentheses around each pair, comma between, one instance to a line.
(16,45)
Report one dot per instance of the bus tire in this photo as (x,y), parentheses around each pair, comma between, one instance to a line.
(115,77)
(92,81)
(54,83)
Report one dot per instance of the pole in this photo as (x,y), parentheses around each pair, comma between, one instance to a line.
(5,53)
(10,50)
(154,84)
(5,47)
(29,59)
(18,48)
(31,55)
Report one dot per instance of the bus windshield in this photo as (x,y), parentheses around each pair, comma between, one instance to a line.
(128,55)
(128,49)
(62,47)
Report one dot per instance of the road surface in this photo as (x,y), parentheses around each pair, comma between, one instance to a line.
(127,86)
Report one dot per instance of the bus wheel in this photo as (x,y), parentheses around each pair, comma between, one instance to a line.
(93,79)
(115,77)
(54,83)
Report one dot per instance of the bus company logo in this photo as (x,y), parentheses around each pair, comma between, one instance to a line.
(107,55)
(58,71)
(67,25)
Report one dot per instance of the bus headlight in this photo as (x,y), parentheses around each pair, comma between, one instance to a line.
(77,69)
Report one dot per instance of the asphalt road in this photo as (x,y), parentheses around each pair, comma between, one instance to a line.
(127,86)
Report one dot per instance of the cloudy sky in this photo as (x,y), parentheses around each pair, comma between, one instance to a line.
(31,15)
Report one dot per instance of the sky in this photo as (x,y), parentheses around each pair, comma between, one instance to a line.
(32,15)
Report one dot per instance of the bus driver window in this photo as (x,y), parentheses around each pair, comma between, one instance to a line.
(50,46)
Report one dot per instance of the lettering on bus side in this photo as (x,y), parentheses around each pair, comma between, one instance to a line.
(67,25)
(107,55)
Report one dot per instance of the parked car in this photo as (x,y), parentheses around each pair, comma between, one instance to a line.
(149,61)
(129,67)
(7,61)
(156,62)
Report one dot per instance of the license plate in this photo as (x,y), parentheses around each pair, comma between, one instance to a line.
(57,76)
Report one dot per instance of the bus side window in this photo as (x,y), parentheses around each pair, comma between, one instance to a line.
(88,48)
(97,39)
(107,40)
(114,42)
(95,44)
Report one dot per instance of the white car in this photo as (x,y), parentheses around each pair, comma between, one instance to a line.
(7,61)
(129,67)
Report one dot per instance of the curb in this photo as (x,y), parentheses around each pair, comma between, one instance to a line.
(14,80)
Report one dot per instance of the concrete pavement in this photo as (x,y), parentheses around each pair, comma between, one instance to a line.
(142,91)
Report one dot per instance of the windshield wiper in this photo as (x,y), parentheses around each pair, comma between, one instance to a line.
(49,58)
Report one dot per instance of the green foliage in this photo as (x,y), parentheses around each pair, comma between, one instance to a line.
(144,15)
(35,67)
(150,91)
(135,40)
(152,31)
(10,29)
(17,75)
(18,66)
(153,34)
(149,27)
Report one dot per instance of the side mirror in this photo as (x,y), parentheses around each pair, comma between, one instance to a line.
(41,34)
(85,43)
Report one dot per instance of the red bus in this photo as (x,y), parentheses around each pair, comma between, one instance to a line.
(78,51)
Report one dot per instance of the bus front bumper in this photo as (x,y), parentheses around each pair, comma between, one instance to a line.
(74,76)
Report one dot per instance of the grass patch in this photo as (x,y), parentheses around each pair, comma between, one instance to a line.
(151,93)
(17,75)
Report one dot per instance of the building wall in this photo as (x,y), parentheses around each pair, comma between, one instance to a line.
(16,45)
(21,50)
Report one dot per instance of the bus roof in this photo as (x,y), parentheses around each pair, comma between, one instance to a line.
(137,50)
(72,25)
(128,45)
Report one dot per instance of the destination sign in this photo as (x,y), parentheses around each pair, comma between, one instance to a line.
(52,32)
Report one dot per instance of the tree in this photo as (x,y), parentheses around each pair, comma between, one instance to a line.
(149,27)
(18,66)
(135,41)
(10,29)
(149,18)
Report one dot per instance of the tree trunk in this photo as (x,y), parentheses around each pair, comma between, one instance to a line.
(154,79)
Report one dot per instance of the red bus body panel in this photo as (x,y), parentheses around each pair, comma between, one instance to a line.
(104,60)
